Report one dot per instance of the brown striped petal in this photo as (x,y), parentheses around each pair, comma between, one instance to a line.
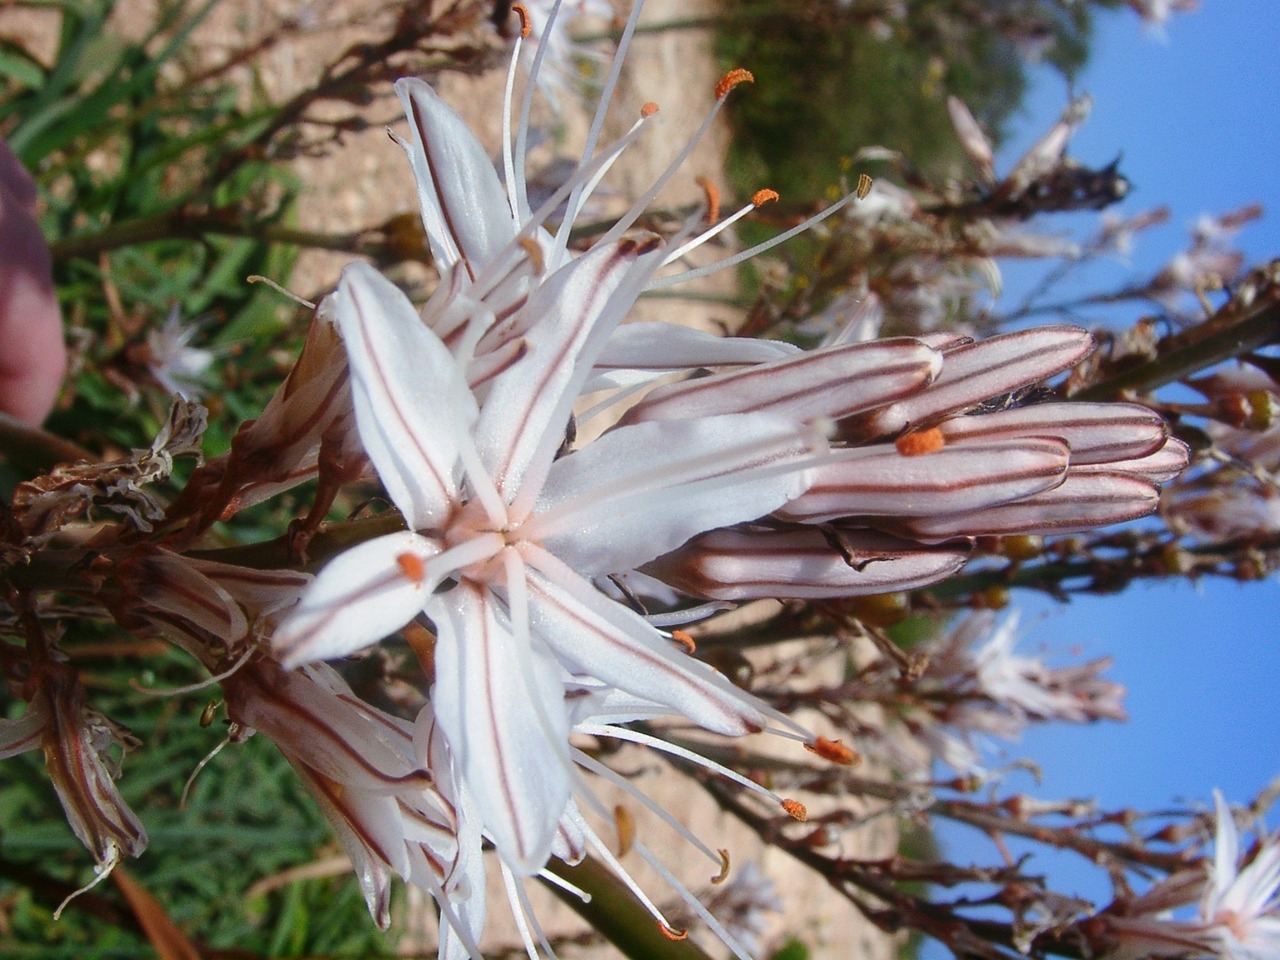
(803,564)
(1095,432)
(1160,466)
(832,383)
(1086,499)
(955,479)
(974,372)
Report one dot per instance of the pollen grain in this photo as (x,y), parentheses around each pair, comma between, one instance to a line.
(686,641)
(796,809)
(723,875)
(920,442)
(731,80)
(712,194)
(672,934)
(412,566)
(526,24)
(833,750)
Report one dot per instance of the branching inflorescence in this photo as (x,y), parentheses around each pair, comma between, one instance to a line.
(566,492)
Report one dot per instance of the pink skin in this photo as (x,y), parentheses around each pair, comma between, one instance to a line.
(33,357)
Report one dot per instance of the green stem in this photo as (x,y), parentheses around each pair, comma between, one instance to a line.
(1232,332)
(615,912)
(184,224)
(324,546)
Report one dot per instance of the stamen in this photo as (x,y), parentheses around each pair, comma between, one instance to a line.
(611,862)
(833,750)
(642,204)
(796,809)
(663,746)
(864,186)
(526,25)
(412,566)
(712,194)
(920,442)
(723,875)
(588,762)
(193,687)
(101,872)
(522,912)
(758,199)
(739,257)
(672,934)
(530,246)
(625,824)
(450,916)
(686,641)
(694,904)
(576,198)
(255,278)
(732,79)
(208,757)
(514,182)
(689,615)
(578,188)
(649,109)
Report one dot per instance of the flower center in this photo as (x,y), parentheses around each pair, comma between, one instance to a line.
(472,526)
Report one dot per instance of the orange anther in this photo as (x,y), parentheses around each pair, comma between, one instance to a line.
(921,442)
(672,934)
(761,197)
(530,246)
(796,809)
(832,750)
(412,567)
(864,186)
(526,25)
(731,80)
(626,827)
(712,193)
(686,641)
(649,109)
(723,875)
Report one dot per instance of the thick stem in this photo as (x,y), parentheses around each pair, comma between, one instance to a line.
(1232,332)
(616,914)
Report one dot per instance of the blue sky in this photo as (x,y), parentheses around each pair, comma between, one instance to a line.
(1192,115)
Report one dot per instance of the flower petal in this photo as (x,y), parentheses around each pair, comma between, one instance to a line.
(803,564)
(832,383)
(1095,432)
(368,829)
(361,596)
(974,372)
(642,490)
(502,711)
(527,407)
(1084,500)
(412,407)
(954,479)
(592,634)
(1160,466)
(464,207)
(670,346)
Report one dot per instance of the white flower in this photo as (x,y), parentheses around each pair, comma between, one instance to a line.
(503,537)
(1243,899)
(177,366)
